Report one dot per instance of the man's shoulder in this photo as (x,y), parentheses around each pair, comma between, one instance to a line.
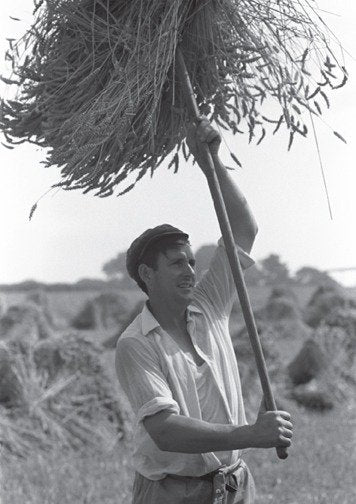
(133,330)
(134,344)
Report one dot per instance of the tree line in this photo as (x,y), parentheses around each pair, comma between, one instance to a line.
(269,271)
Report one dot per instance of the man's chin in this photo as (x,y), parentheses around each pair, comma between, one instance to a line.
(186,293)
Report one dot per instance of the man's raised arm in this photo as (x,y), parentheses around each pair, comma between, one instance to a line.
(243,224)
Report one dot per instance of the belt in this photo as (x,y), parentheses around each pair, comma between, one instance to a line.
(222,478)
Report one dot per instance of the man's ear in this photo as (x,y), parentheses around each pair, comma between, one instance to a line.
(145,273)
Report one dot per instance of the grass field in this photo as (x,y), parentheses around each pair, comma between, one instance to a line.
(321,464)
(319,470)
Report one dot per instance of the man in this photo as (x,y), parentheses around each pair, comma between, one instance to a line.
(176,363)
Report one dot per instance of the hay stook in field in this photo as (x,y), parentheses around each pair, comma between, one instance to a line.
(55,390)
(312,365)
(108,310)
(325,303)
(25,322)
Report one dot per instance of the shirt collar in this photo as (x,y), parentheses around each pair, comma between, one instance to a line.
(149,322)
(193,309)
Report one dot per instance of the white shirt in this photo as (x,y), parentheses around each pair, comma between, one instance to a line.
(156,375)
(210,401)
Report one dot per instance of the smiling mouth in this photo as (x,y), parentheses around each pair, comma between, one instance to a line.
(186,285)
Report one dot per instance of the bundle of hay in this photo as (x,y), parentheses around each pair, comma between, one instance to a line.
(24,323)
(111,341)
(67,397)
(323,372)
(340,346)
(251,386)
(40,298)
(344,318)
(245,355)
(71,355)
(281,304)
(308,363)
(108,310)
(10,385)
(283,291)
(326,301)
(313,395)
(242,343)
(98,87)
(280,323)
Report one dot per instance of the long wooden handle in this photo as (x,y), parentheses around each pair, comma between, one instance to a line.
(230,247)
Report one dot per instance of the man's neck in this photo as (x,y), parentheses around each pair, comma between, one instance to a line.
(168,317)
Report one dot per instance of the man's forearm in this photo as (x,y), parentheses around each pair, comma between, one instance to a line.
(242,221)
(243,224)
(177,433)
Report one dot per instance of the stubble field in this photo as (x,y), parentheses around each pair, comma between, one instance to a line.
(319,470)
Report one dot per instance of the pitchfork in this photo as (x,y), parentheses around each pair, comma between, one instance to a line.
(230,247)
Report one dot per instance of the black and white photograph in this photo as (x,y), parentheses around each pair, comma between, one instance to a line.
(178,254)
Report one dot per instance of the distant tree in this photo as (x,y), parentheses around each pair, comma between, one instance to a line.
(29,285)
(312,276)
(254,276)
(89,284)
(115,269)
(274,270)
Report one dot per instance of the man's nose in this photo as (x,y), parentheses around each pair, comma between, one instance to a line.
(189,269)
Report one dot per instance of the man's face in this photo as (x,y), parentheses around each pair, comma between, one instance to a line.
(174,276)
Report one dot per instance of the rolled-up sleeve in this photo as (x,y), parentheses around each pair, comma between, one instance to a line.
(140,376)
(217,284)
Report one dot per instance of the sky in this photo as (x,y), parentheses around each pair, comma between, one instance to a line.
(72,235)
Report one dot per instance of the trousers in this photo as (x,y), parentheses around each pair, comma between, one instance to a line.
(224,486)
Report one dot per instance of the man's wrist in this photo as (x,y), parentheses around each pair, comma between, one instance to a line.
(242,437)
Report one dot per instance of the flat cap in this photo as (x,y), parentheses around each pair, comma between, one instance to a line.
(139,246)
